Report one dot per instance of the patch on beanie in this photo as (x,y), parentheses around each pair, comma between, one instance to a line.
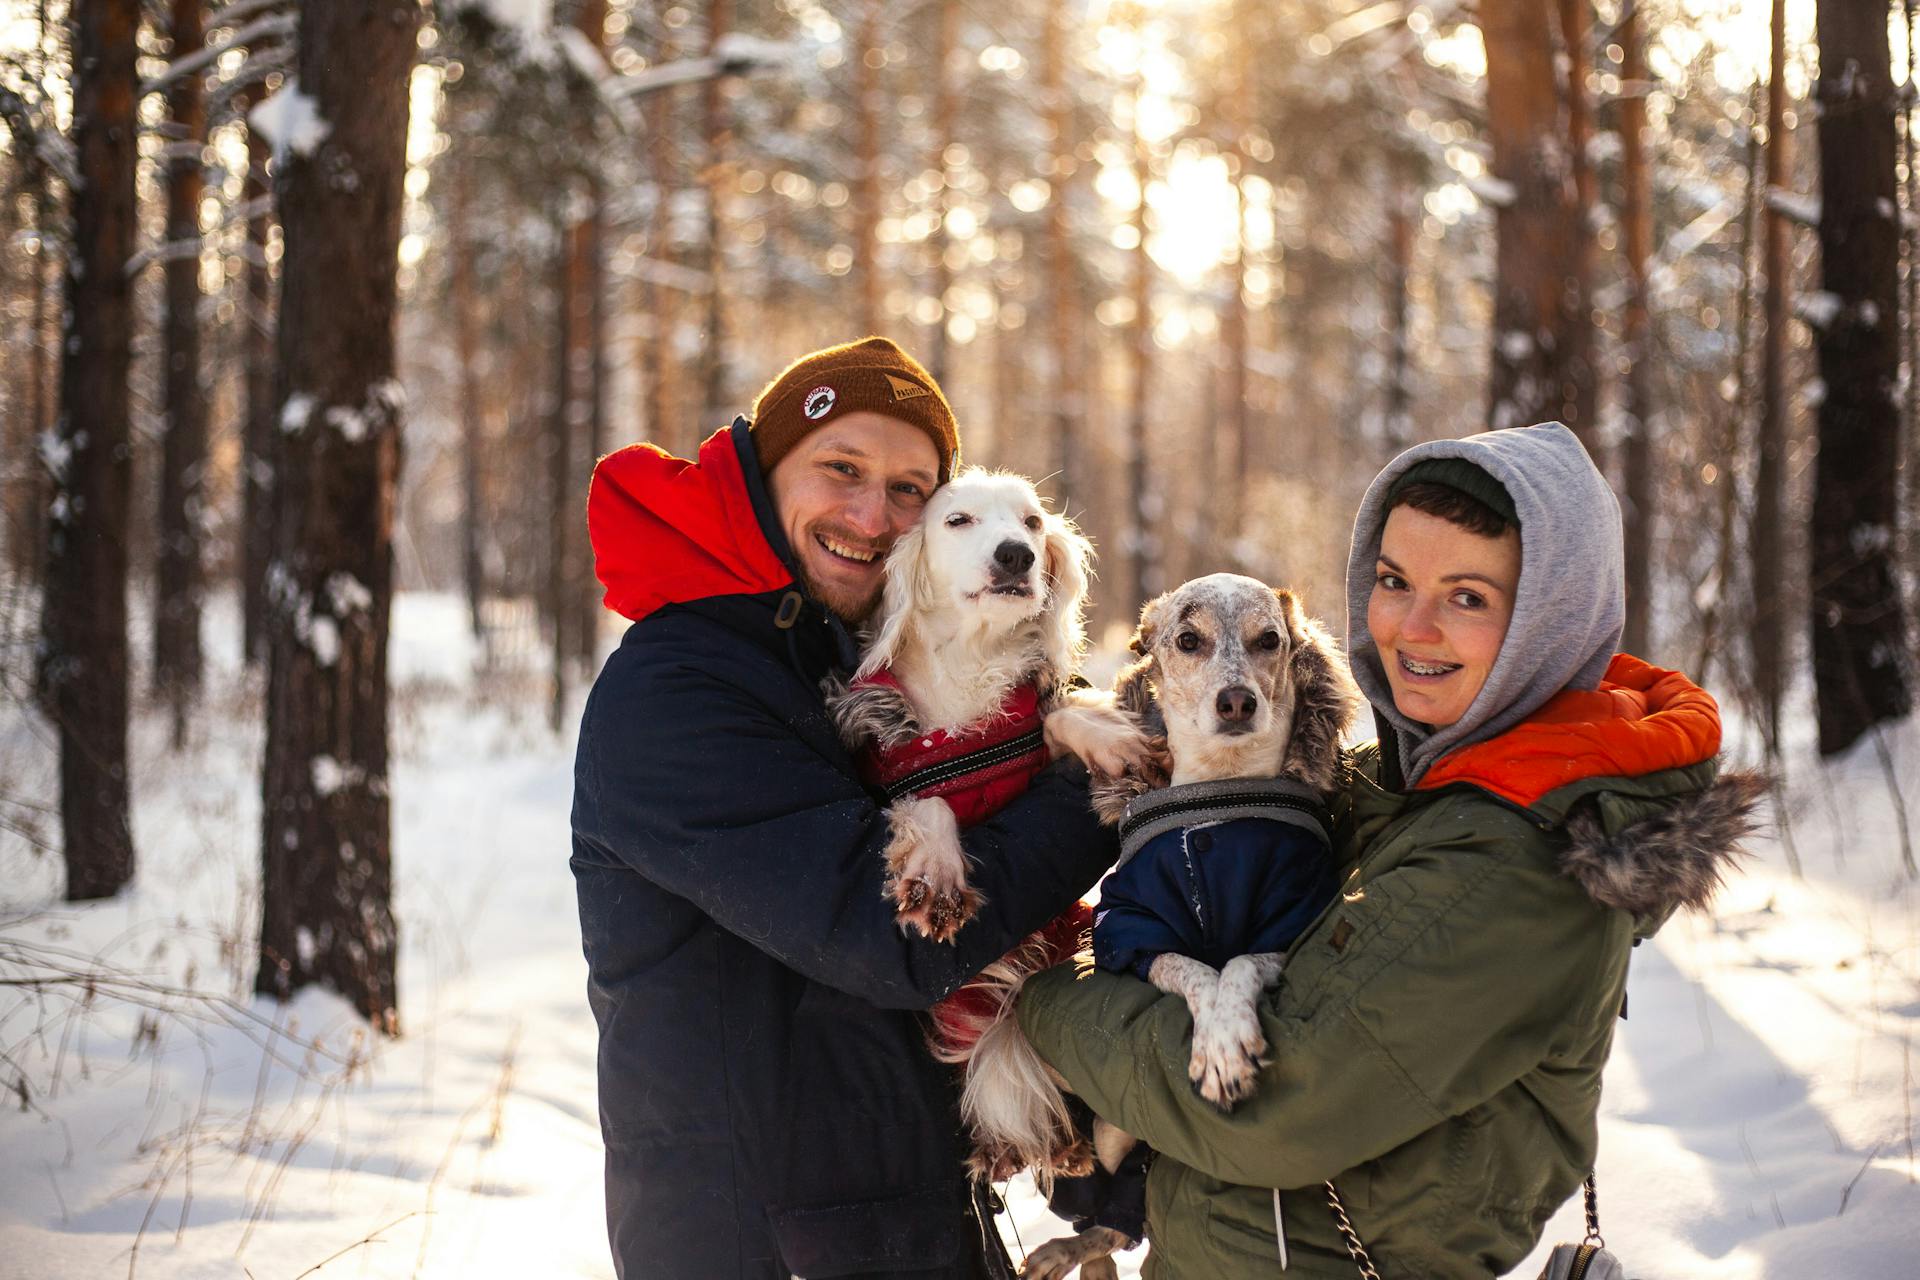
(819,403)
(904,390)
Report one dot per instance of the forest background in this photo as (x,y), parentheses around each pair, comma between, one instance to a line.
(310,310)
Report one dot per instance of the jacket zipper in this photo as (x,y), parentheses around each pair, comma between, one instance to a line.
(958,767)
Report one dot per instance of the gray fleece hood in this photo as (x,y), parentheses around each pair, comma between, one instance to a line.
(1569,607)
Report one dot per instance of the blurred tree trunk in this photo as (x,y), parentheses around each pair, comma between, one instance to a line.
(945,95)
(556,590)
(1580,393)
(1636,211)
(714,375)
(868,53)
(177,577)
(326,886)
(1769,481)
(26,494)
(259,452)
(1403,212)
(586,376)
(588,386)
(1064,396)
(1142,538)
(467,356)
(84,616)
(1233,488)
(1538,220)
(1860,647)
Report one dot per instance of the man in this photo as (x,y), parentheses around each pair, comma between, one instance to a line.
(768,1106)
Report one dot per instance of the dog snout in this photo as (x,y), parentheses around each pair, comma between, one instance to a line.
(1236,704)
(1013,558)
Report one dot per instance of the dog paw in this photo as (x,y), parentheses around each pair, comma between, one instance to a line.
(1228,1053)
(1051,1261)
(993,1162)
(1075,1160)
(927,871)
(937,911)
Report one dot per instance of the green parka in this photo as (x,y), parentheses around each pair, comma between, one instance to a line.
(1438,1037)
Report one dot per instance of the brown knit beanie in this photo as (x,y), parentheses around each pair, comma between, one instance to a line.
(872,374)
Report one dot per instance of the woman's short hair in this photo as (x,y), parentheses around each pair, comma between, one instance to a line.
(1455,506)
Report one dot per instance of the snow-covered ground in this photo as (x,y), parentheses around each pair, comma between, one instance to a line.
(1758,1119)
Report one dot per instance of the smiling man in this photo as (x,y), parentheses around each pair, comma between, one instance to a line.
(766,1100)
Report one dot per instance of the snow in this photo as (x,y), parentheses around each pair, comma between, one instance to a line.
(1756,1122)
(1795,207)
(1819,308)
(290,120)
(531,18)
(296,413)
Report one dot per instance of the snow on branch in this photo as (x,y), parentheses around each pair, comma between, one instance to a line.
(273,26)
(1794,207)
(734,54)
(48,146)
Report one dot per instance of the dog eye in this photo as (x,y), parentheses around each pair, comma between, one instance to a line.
(959,520)
(1269,640)
(1033,523)
(1187,641)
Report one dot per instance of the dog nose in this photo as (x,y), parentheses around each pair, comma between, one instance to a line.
(1013,557)
(1236,705)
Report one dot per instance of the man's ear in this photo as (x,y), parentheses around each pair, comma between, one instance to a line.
(908,588)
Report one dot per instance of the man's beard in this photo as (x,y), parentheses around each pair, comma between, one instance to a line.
(838,602)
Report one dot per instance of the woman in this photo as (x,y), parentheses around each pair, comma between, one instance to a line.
(1534,806)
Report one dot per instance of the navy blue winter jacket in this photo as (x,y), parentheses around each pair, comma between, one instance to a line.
(766,1099)
(1212,892)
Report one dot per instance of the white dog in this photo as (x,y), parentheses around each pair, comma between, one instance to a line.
(978,635)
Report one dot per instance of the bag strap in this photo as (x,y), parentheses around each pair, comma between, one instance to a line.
(1355,1250)
(1593,1237)
(1358,1251)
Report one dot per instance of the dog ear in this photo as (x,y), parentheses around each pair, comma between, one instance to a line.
(1069,562)
(1324,698)
(908,588)
(1133,687)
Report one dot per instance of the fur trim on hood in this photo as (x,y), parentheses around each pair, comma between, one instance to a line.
(1676,858)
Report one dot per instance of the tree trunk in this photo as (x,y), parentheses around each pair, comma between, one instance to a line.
(326,886)
(1064,394)
(1580,370)
(1537,226)
(260,454)
(84,666)
(1637,214)
(177,577)
(1769,480)
(1142,539)
(868,53)
(1860,644)
(714,370)
(945,94)
(555,588)
(1402,220)
(466,348)
(586,377)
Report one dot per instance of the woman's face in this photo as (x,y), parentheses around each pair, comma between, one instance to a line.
(1442,598)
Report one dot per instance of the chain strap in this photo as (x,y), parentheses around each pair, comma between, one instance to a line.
(1355,1250)
(1358,1251)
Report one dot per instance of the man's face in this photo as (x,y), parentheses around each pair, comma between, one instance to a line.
(843,494)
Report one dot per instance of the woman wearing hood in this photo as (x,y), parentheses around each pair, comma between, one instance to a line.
(1535,804)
